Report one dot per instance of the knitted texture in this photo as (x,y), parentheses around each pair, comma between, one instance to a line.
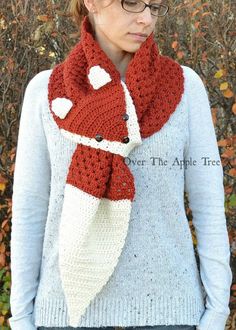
(107,118)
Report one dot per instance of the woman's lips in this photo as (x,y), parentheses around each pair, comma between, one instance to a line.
(137,37)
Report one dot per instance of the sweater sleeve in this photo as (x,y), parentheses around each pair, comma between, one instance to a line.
(205,189)
(31,189)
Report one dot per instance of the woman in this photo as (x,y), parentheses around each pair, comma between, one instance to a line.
(108,142)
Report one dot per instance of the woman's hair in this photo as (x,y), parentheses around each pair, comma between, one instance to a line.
(78,10)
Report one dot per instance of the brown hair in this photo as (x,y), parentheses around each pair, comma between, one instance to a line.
(78,10)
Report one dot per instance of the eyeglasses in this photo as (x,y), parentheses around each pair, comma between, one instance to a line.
(137,6)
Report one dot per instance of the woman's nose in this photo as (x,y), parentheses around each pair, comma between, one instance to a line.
(145,16)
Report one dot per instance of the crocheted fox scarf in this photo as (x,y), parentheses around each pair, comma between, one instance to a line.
(106,118)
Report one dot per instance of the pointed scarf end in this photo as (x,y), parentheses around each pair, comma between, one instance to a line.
(74,316)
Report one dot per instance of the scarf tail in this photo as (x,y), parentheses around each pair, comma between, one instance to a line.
(84,273)
(92,232)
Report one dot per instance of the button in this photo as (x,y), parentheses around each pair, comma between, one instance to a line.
(125,139)
(99,137)
(125,116)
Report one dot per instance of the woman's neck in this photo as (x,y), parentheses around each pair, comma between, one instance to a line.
(119,57)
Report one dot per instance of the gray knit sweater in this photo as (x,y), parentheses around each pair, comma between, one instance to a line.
(156,281)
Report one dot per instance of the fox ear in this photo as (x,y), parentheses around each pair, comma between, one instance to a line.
(98,77)
(61,106)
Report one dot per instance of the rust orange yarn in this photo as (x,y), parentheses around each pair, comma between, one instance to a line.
(155,83)
(108,118)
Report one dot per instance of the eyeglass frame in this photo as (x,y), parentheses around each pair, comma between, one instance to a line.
(146,5)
